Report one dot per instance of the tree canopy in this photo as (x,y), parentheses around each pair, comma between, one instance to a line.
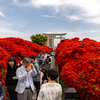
(39,39)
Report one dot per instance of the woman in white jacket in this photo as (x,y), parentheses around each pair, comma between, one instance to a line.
(51,90)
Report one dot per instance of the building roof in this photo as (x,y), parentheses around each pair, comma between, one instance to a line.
(54,33)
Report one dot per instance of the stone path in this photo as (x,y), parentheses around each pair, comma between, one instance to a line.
(53,64)
(34,93)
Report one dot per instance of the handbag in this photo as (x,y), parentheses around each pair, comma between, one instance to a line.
(11,89)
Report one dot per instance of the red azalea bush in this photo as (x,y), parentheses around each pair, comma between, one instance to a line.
(79,66)
(16,47)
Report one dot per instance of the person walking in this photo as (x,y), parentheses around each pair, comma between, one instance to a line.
(40,58)
(36,78)
(2,92)
(49,59)
(45,67)
(45,55)
(11,80)
(25,75)
(52,52)
(51,90)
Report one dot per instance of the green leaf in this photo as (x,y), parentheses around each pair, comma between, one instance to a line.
(39,39)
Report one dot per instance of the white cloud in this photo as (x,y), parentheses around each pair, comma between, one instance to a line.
(86,10)
(11,33)
(23,25)
(73,17)
(4,23)
(39,3)
(19,3)
(1,14)
(92,34)
(48,16)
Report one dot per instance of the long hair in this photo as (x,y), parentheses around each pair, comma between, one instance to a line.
(12,59)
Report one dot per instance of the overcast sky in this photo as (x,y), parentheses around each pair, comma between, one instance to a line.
(23,18)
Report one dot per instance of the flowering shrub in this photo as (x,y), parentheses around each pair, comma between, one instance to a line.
(16,47)
(79,66)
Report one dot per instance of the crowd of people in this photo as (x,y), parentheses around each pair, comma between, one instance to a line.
(29,73)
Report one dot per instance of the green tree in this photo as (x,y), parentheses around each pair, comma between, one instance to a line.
(39,39)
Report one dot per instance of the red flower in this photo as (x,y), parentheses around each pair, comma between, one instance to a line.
(79,66)
(16,47)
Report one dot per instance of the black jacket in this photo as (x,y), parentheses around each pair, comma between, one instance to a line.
(11,72)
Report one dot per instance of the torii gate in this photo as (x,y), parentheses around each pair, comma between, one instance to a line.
(51,37)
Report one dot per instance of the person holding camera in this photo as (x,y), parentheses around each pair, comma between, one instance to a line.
(36,78)
(25,74)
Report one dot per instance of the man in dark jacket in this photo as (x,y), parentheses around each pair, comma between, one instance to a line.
(40,58)
(2,92)
(37,77)
(45,67)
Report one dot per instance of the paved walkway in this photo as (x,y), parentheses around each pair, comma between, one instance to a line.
(53,64)
(34,93)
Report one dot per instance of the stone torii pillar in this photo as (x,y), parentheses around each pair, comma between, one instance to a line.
(52,36)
